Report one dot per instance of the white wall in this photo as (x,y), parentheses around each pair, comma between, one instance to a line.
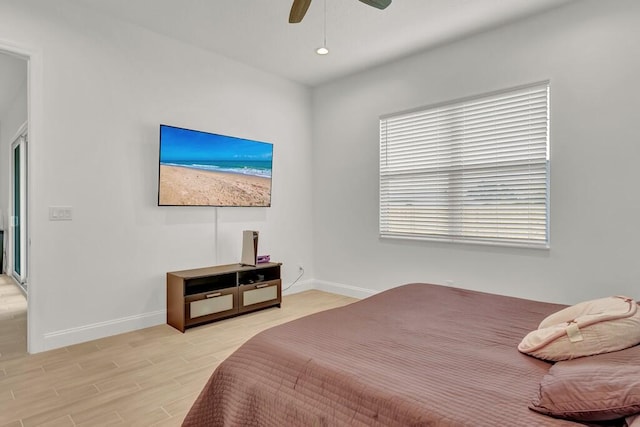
(106,87)
(588,50)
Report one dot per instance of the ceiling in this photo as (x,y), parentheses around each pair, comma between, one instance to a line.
(257,32)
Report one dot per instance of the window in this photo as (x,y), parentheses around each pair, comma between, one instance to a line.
(473,170)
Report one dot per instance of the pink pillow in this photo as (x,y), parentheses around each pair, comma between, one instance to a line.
(588,328)
(596,388)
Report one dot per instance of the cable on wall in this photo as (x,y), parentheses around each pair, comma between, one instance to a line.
(215,237)
(295,281)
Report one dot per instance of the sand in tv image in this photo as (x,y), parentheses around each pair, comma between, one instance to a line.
(206,169)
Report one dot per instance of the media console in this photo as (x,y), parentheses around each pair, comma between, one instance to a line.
(203,295)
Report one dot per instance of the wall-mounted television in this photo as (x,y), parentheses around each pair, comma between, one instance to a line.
(206,169)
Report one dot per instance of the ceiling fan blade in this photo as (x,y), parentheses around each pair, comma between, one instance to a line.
(298,10)
(380,4)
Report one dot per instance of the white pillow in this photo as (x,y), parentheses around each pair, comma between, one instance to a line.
(591,327)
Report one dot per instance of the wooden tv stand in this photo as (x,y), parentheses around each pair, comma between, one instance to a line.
(204,295)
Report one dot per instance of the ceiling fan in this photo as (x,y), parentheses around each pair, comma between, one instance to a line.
(299,8)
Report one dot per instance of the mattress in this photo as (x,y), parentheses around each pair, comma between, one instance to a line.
(415,355)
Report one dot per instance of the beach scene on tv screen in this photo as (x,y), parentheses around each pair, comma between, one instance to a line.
(205,169)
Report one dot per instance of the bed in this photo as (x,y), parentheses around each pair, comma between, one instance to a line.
(415,355)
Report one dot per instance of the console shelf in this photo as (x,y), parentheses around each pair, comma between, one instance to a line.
(207,294)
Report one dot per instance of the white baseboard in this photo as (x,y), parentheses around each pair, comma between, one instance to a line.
(94,331)
(342,289)
(304,285)
(332,287)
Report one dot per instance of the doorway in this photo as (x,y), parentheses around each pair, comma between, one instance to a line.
(18,221)
(14,115)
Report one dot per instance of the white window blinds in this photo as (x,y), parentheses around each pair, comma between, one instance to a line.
(475,170)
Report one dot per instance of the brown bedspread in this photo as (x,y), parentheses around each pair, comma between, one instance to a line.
(416,355)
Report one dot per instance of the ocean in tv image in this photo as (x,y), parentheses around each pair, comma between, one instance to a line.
(245,167)
(206,169)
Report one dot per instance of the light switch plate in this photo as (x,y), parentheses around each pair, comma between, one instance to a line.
(60,213)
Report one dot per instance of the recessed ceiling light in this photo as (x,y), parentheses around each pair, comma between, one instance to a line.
(322,50)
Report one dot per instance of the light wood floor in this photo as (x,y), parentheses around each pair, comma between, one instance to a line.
(146,377)
(13,321)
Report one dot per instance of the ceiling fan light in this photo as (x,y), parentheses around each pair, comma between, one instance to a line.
(322,50)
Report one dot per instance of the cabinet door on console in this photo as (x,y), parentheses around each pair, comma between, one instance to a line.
(258,295)
(210,305)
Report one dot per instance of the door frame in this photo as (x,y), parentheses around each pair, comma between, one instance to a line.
(35,169)
(21,140)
